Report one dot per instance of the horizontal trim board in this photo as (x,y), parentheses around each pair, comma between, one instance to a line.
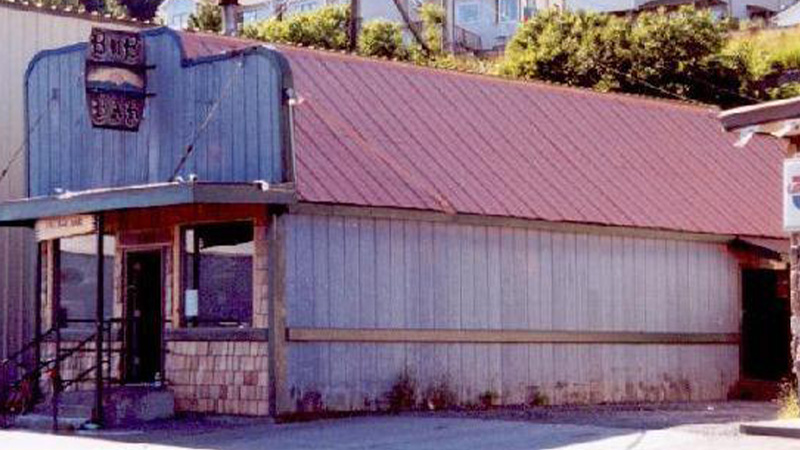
(401,335)
(217,334)
(318,209)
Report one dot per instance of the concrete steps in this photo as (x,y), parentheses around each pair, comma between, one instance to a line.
(44,422)
(124,406)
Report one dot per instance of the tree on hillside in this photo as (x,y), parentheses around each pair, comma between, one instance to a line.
(94,5)
(326,27)
(208,17)
(141,9)
(381,38)
(676,54)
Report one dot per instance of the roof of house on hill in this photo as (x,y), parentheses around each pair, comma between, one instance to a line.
(77,12)
(385,134)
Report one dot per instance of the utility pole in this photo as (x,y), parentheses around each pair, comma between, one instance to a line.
(450,26)
(354,20)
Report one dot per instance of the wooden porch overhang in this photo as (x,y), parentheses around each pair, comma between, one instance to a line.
(25,212)
(779,117)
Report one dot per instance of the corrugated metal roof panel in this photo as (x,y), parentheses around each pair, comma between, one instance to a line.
(378,133)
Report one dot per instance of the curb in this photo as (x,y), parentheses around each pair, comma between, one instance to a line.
(776,428)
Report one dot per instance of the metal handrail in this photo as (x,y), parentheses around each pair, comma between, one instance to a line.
(26,348)
(42,366)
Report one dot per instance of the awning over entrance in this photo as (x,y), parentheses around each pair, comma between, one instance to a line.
(25,212)
(774,248)
(777,117)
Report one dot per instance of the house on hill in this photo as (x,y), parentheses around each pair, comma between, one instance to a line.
(482,25)
(293,230)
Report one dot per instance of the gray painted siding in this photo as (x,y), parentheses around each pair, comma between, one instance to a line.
(242,140)
(350,272)
(23,33)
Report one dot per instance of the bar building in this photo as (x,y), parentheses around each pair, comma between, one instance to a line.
(268,230)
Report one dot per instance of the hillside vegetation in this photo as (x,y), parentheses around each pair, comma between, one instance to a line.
(684,54)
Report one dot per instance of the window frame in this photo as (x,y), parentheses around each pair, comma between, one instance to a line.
(185,282)
(460,17)
(500,11)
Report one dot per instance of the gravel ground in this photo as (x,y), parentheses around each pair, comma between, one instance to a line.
(702,417)
(691,426)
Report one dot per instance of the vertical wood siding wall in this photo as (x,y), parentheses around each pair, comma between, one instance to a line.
(241,97)
(351,272)
(23,33)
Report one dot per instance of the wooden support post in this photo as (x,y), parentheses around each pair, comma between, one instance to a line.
(278,391)
(37,323)
(794,279)
(97,412)
(54,292)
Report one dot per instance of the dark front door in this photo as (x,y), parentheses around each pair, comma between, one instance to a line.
(766,333)
(143,313)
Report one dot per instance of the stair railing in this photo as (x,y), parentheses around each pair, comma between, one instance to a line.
(19,393)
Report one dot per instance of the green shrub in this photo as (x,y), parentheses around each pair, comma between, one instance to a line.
(382,39)
(788,402)
(488,399)
(535,397)
(676,54)
(433,16)
(207,18)
(402,396)
(580,49)
(440,395)
(326,28)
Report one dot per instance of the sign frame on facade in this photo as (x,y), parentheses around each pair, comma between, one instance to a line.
(65,226)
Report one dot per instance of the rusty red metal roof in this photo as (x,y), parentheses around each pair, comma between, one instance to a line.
(384,134)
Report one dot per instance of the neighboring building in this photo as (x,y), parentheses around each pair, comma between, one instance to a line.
(31,29)
(482,24)
(787,18)
(175,13)
(340,221)
(740,9)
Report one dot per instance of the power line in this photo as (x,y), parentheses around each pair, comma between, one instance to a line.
(21,148)
(190,147)
(675,94)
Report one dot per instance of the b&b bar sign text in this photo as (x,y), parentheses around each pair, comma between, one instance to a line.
(116,79)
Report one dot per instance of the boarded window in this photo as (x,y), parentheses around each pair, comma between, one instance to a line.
(218,271)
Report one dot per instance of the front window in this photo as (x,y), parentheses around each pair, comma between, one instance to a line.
(77,280)
(218,275)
